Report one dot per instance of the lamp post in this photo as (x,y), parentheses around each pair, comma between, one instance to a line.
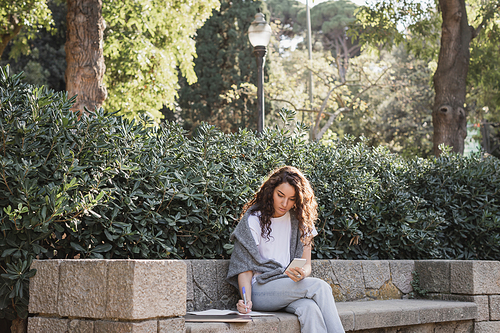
(259,34)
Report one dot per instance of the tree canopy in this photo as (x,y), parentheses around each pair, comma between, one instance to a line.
(146,43)
(22,19)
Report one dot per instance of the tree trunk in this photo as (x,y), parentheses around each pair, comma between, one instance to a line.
(84,54)
(448,116)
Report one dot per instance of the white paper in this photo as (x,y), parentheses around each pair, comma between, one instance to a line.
(215,312)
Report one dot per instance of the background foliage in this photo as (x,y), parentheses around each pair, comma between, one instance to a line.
(224,61)
(105,187)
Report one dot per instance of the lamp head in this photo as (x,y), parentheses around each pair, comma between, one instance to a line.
(259,32)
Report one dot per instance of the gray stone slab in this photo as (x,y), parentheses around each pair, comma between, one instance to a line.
(204,284)
(44,287)
(189,280)
(207,327)
(346,317)
(227,295)
(376,273)
(107,326)
(82,288)
(322,269)
(349,275)
(487,327)
(402,274)
(393,313)
(434,275)
(441,311)
(258,324)
(483,311)
(172,325)
(494,307)
(288,323)
(47,325)
(475,277)
(466,326)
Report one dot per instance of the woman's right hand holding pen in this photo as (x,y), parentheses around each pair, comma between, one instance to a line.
(242,308)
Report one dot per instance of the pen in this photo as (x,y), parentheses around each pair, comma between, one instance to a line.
(244,298)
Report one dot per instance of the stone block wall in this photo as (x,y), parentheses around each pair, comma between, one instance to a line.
(466,281)
(350,280)
(108,296)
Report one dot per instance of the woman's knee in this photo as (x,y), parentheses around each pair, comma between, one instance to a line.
(321,284)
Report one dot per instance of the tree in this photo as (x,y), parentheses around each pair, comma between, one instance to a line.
(330,21)
(398,110)
(45,64)
(449,113)
(147,43)
(224,62)
(22,19)
(84,54)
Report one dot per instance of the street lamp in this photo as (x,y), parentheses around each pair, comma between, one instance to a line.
(259,34)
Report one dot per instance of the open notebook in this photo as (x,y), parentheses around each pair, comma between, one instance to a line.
(227,316)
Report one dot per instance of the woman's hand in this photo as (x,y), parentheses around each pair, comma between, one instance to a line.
(296,274)
(242,308)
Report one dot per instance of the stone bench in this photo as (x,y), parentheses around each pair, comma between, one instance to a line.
(375,316)
(153,296)
(372,295)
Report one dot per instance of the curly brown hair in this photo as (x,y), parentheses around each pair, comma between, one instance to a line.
(305,208)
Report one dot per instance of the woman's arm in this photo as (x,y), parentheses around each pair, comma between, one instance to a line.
(245,280)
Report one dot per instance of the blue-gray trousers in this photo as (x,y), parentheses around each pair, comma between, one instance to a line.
(310,299)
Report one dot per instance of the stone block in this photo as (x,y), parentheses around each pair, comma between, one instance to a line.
(81,326)
(172,325)
(288,322)
(442,311)
(387,291)
(47,325)
(434,275)
(144,289)
(381,315)
(204,284)
(402,274)
(475,277)
(258,324)
(82,288)
(483,312)
(376,273)
(487,327)
(322,269)
(227,295)
(44,286)
(189,280)
(494,307)
(349,275)
(192,327)
(107,326)
(347,318)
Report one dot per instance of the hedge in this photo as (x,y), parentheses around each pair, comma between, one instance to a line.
(100,186)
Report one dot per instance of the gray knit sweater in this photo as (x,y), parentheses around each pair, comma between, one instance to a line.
(246,256)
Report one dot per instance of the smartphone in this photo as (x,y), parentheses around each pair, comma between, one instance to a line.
(296,262)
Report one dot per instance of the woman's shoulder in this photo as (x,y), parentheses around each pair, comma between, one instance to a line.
(253,219)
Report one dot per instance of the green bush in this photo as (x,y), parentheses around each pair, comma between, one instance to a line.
(100,186)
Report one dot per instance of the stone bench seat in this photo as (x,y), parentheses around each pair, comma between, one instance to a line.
(373,316)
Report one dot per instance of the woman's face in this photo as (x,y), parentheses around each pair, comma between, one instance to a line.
(283,199)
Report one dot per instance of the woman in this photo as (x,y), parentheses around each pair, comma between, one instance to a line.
(277,225)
